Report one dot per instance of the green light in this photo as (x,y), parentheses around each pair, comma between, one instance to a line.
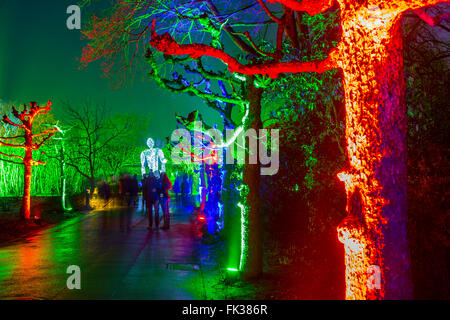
(243,235)
(232,270)
(238,131)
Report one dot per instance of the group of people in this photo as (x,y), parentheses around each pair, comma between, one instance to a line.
(126,190)
(155,192)
(182,189)
(129,189)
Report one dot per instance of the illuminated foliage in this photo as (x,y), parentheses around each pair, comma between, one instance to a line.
(91,133)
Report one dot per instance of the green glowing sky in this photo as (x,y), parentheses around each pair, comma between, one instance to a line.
(38,62)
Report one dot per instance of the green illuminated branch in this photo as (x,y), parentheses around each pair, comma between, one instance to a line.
(230,31)
(167,84)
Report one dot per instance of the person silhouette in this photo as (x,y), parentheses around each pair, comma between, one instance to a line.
(153,197)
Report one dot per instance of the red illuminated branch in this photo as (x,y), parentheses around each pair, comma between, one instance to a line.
(432,21)
(412,4)
(26,116)
(12,156)
(38,163)
(268,12)
(166,44)
(8,121)
(48,131)
(12,138)
(195,158)
(312,7)
(11,145)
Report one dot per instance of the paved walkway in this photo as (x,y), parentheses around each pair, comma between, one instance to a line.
(119,259)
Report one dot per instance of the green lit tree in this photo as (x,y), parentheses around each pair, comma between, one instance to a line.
(91,133)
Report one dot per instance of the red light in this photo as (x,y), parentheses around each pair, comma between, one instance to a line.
(201,218)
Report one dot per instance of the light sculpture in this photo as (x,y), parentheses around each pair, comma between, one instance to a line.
(152,157)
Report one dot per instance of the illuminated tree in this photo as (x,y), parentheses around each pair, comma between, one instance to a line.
(91,133)
(370,56)
(119,38)
(28,142)
(208,156)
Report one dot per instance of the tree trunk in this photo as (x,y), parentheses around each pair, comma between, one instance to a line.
(26,200)
(251,246)
(375,231)
(63,179)
(203,186)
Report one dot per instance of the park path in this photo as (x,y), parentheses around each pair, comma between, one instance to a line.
(118,257)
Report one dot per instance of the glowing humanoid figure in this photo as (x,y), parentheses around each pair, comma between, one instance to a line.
(152,156)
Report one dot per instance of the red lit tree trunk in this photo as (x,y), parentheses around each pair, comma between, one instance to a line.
(26,199)
(375,230)
(371,58)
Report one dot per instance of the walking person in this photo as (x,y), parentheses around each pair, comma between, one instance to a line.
(152,199)
(165,199)
(144,191)
(134,190)
(177,190)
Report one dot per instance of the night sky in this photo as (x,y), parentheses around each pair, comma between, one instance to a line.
(38,62)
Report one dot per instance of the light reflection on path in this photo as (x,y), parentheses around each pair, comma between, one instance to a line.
(119,259)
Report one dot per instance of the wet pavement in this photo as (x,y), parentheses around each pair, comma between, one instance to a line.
(118,257)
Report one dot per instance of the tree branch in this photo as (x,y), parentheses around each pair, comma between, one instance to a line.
(276,55)
(12,145)
(48,131)
(12,156)
(75,166)
(268,12)
(8,121)
(37,146)
(166,44)
(312,7)
(186,89)
(10,161)
(413,4)
(12,138)
(432,21)
(241,44)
